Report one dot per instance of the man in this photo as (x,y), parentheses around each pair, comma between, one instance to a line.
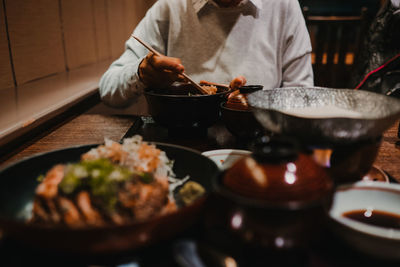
(265,41)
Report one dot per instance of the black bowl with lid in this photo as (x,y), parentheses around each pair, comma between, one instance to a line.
(276,198)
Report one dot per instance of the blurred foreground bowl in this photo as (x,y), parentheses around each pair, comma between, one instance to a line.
(274,109)
(17,191)
(275,198)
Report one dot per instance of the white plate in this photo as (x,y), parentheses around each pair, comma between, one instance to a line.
(225,158)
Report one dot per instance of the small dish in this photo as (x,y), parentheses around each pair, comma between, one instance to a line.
(224,158)
(356,215)
(376,174)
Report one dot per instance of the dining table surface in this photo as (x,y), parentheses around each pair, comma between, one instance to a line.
(93,128)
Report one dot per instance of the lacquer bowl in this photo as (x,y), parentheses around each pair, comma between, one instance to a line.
(272,199)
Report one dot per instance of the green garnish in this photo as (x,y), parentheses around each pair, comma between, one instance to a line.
(40,178)
(101,176)
(190,192)
(146,177)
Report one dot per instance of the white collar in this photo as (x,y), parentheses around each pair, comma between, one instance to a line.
(199,4)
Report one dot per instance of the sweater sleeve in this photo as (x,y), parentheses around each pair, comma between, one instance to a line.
(120,85)
(296,62)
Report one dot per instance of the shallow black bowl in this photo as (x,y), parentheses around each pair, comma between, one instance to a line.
(241,123)
(180,108)
(17,190)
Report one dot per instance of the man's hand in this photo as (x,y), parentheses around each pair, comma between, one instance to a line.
(160,71)
(237,82)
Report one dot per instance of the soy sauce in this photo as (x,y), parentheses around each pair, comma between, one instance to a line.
(375,217)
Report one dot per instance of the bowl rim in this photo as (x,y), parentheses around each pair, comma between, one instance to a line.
(107,227)
(222,105)
(149,91)
(360,227)
(294,205)
(209,153)
(282,112)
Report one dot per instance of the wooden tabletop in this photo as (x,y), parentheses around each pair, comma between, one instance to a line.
(93,128)
(81,130)
(388,157)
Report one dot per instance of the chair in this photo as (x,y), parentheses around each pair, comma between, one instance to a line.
(336,41)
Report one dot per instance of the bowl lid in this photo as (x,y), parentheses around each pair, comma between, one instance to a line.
(278,172)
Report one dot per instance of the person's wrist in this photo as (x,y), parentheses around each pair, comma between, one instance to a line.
(139,71)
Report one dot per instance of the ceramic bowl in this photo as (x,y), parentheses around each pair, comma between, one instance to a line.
(225,158)
(376,174)
(339,116)
(371,200)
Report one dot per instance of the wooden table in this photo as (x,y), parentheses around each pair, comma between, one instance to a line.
(389,153)
(81,130)
(93,128)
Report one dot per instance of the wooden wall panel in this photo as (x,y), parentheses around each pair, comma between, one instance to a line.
(134,13)
(79,32)
(103,50)
(6,77)
(35,37)
(117,26)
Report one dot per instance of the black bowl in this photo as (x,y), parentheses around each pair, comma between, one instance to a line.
(179,107)
(349,163)
(241,123)
(261,224)
(17,190)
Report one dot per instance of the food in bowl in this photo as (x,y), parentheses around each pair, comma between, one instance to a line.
(112,184)
(210,89)
(187,89)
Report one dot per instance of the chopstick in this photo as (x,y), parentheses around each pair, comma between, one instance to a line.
(151,49)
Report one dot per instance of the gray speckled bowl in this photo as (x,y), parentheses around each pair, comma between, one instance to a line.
(378,113)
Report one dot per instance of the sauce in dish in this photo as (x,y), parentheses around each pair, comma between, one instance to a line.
(323,112)
(375,217)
